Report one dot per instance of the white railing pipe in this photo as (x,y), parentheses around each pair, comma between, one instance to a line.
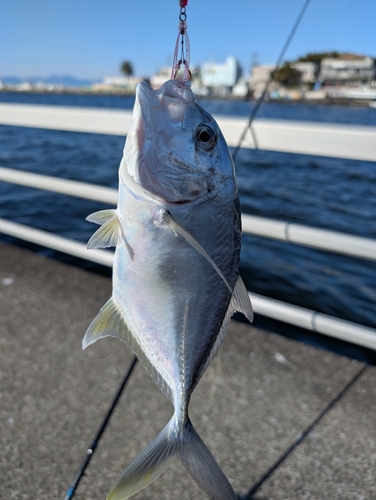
(311,138)
(271,308)
(59,185)
(55,242)
(314,321)
(322,239)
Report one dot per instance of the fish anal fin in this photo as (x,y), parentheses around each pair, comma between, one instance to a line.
(107,235)
(111,322)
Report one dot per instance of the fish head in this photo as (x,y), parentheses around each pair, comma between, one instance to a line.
(175,149)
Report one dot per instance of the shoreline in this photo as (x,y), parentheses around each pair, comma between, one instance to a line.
(119,93)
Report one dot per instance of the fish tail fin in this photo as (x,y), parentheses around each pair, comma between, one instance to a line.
(158,455)
(149,465)
(203,467)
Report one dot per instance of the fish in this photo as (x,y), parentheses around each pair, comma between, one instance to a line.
(176,282)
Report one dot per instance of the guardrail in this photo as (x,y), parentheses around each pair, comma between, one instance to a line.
(322,239)
(271,308)
(275,309)
(326,140)
(340,141)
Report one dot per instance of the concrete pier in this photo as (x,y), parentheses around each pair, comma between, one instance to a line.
(258,397)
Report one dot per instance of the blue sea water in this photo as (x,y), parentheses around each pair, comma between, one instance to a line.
(323,192)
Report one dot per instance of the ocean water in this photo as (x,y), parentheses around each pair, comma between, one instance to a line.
(323,192)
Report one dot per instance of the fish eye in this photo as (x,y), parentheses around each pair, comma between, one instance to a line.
(205,137)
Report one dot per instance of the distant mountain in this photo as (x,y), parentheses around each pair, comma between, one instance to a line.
(65,80)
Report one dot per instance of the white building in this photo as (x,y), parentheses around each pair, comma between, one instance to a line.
(221,76)
(126,82)
(158,79)
(347,71)
(260,75)
(308,71)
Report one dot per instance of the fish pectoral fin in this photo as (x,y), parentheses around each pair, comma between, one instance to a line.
(109,232)
(168,220)
(109,322)
(243,302)
(102,216)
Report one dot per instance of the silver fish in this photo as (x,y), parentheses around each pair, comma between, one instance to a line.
(176,282)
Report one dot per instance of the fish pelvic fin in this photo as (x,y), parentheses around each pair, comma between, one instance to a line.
(109,232)
(172,442)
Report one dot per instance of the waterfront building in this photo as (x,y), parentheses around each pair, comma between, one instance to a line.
(221,78)
(260,76)
(159,78)
(308,71)
(354,71)
(124,82)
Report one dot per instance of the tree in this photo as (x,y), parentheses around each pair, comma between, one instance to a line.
(318,56)
(127,68)
(287,75)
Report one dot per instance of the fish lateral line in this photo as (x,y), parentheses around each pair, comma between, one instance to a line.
(166,219)
(243,302)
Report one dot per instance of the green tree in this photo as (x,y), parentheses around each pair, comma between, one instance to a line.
(126,68)
(287,75)
(318,56)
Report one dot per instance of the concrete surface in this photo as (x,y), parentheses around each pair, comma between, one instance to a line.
(258,395)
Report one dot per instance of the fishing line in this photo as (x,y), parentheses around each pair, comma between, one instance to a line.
(302,436)
(90,451)
(267,85)
(183,40)
(184,59)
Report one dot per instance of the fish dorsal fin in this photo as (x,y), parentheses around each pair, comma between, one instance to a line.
(111,322)
(167,219)
(108,234)
(102,216)
(240,302)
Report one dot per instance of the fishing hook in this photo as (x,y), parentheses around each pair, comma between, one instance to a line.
(183,41)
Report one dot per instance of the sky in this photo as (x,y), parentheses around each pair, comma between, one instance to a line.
(90,38)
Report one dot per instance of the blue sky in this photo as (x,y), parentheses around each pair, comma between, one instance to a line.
(89,38)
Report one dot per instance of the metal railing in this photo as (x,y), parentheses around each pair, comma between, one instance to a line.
(298,316)
(88,120)
(321,139)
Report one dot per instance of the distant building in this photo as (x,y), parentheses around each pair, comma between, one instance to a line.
(308,71)
(126,82)
(260,75)
(240,89)
(158,79)
(221,78)
(355,71)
